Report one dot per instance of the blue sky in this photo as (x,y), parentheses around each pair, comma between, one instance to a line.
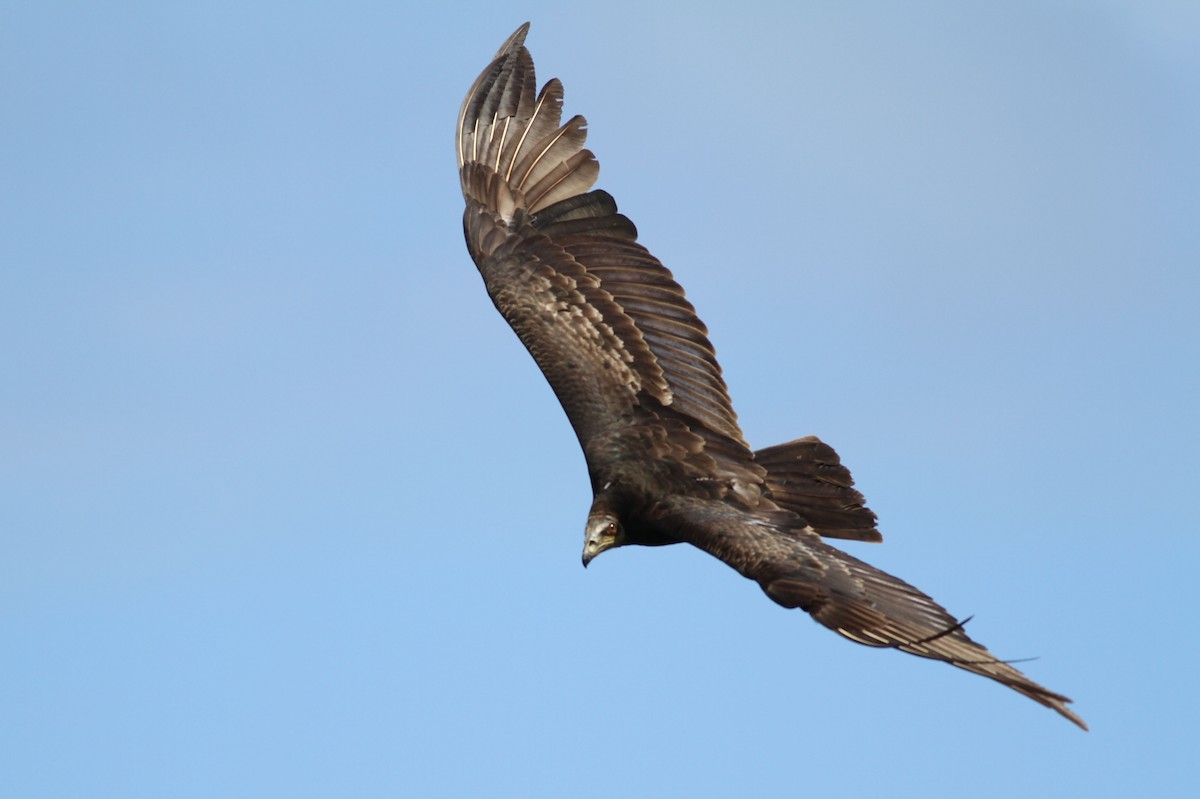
(286,510)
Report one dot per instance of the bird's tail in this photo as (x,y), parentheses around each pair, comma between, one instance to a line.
(807,477)
(871,607)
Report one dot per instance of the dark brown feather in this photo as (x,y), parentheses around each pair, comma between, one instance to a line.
(530,178)
(854,599)
(807,477)
(871,607)
(632,366)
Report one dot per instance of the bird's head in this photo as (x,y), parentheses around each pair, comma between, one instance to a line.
(603,532)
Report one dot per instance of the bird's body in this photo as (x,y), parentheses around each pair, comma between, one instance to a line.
(634,370)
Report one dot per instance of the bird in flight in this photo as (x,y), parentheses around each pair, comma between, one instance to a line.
(633,368)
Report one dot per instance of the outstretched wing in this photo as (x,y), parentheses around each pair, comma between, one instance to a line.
(854,599)
(610,328)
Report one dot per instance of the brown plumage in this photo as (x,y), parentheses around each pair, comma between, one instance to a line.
(634,370)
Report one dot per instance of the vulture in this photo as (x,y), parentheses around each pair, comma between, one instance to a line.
(633,368)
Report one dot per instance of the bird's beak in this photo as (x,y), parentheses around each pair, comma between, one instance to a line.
(597,538)
(590,550)
(593,546)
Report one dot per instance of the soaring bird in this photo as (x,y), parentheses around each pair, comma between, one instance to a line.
(632,366)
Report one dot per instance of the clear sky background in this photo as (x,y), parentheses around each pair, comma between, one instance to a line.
(286,509)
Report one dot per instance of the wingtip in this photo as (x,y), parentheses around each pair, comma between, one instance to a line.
(1061,708)
(516,40)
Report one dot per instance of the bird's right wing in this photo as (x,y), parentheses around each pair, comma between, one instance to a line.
(797,569)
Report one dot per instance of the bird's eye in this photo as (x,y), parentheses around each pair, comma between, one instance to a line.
(612,528)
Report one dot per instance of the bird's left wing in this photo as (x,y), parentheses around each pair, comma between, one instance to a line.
(606,322)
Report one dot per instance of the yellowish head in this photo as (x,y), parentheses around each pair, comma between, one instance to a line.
(603,532)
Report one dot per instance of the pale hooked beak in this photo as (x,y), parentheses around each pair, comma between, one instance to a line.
(599,535)
(594,544)
(591,549)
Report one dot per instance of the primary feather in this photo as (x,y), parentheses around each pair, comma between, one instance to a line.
(633,368)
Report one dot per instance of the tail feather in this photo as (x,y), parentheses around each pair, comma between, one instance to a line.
(871,607)
(806,477)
